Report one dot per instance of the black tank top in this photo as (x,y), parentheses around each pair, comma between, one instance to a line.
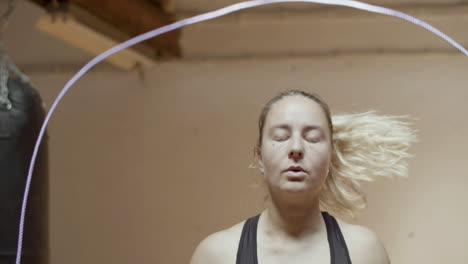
(247,251)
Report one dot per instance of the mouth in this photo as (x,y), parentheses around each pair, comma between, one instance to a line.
(296,174)
(296,169)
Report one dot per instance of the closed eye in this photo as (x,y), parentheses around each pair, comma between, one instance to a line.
(282,138)
(280,134)
(313,136)
(313,140)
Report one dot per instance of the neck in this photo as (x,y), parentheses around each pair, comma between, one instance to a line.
(294,219)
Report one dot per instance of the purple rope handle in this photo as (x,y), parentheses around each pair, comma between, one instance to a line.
(193,20)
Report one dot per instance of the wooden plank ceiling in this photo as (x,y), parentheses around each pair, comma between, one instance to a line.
(130,17)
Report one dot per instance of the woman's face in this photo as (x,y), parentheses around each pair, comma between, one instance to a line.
(296,150)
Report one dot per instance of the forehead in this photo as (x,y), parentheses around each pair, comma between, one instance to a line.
(296,110)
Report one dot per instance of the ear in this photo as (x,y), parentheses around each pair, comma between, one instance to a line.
(260,161)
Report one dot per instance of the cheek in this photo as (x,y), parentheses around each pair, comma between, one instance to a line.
(322,156)
(271,155)
(317,153)
(323,150)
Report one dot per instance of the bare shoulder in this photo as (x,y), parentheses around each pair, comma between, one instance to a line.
(363,244)
(219,247)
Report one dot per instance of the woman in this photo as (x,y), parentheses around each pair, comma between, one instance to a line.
(304,168)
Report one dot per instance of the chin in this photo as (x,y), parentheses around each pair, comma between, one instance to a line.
(295,187)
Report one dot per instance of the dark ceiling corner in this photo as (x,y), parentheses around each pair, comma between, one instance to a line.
(131,18)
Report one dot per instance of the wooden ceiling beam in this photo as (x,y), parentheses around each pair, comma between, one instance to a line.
(167,6)
(134,17)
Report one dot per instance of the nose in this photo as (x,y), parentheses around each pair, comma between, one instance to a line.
(296,151)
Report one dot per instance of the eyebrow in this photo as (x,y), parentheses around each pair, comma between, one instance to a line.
(308,128)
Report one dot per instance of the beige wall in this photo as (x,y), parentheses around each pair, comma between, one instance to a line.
(143,168)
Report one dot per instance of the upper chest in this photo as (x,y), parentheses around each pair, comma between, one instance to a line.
(293,253)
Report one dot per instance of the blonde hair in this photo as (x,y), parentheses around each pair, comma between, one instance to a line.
(365,147)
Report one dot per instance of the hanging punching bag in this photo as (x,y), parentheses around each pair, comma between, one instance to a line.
(19,127)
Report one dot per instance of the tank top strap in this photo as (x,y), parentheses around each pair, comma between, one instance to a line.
(339,253)
(247,251)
